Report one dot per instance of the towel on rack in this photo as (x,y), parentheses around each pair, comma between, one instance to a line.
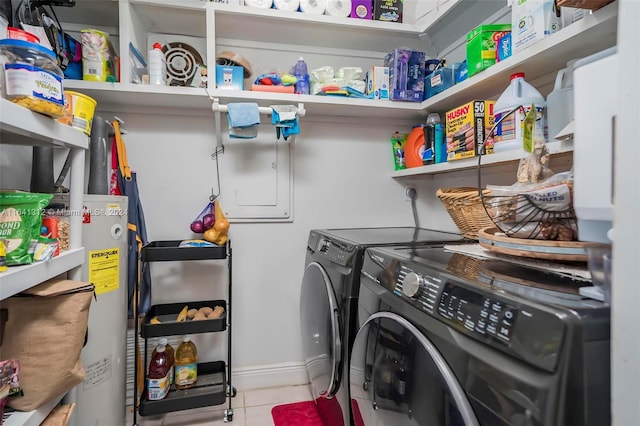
(285,118)
(244,114)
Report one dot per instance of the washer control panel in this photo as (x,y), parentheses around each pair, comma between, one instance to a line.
(421,289)
(335,251)
(477,313)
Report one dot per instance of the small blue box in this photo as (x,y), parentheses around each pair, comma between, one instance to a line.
(406,75)
(228,77)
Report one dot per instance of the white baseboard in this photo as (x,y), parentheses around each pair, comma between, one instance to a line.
(269,376)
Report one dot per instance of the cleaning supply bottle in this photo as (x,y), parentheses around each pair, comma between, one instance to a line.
(157,66)
(158,374)
(560,101)
(170,356)
(186,364)
(508,134)
(428,155)
(301,73)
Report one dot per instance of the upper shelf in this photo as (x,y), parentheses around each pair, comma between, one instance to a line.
(304,29)
(21,126)
(187,100)
(592,34)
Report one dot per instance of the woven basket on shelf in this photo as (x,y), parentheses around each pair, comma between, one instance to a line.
(465,208)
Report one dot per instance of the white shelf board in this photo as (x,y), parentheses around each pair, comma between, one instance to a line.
(21,126)
(311,31)
(127,97)
(595,32)
(237,13)
(31,418)
(555,148)
(19,278)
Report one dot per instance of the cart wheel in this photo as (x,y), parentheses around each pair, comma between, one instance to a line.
(228,415)
(365,386)
(234,392)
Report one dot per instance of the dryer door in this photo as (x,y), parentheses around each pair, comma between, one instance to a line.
(398,377)
(320,323)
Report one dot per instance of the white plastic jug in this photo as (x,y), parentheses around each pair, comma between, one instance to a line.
(560,101)
(508,134)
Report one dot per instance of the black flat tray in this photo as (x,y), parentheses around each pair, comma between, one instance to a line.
(165,251)
(210,389)
(167,314)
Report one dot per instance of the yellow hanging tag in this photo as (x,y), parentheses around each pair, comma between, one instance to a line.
(528,126)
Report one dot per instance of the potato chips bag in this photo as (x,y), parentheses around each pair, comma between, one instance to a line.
(20,221)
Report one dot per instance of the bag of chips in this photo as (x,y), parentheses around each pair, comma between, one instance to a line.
(20,221)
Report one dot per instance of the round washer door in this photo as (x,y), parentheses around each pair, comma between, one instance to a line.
(320,324)
(398,377)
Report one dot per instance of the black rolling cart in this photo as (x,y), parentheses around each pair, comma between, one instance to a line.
(214,378)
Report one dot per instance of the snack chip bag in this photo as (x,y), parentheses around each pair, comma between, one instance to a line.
(20,221)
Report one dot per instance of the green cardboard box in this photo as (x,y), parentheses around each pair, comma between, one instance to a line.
(481,46)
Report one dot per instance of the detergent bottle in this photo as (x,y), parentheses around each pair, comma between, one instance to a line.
(509,133)
(560,101)
(158,374)
(186,364)
(301,73)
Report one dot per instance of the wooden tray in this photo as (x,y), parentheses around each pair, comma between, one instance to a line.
(573,251)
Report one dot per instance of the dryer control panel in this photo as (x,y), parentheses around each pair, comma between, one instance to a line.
(477,313)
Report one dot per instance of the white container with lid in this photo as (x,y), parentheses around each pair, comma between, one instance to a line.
(157,66)
(508,134)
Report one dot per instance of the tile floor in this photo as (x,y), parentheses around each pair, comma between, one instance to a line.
(250,408)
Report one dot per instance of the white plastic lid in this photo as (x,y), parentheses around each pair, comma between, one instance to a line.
(164,341)
(301,58)
(433,118)
(160,348)
(186,338)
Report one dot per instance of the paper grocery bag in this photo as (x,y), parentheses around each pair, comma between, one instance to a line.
(45,331)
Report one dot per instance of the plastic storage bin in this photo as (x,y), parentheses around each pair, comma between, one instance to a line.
(31,77)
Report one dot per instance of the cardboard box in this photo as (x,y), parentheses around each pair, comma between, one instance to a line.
(378,82)
(531,21)
(231,78)
(388,10)
(361,9)
(481,46)
(406,75)
(466,127)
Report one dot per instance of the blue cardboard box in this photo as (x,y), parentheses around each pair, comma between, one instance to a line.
(228,77)
(406,75)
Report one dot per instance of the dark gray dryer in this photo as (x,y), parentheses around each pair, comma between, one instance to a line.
(446,339)
(329,296)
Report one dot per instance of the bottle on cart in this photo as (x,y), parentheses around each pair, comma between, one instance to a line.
(170,356)
(186,364)
(157,66)
(158,374)
(301,73)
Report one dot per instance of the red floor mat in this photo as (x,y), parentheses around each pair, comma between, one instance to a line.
(296,414)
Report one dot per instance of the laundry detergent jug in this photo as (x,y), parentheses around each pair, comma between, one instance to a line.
(560,102)
(509,133)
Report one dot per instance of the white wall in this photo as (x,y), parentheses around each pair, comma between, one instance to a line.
(341,179)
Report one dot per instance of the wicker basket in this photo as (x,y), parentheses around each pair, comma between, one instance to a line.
(465,208)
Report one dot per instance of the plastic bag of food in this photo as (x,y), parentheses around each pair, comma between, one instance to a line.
(204,221)
(541,210)
(20,221)
(534,166)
